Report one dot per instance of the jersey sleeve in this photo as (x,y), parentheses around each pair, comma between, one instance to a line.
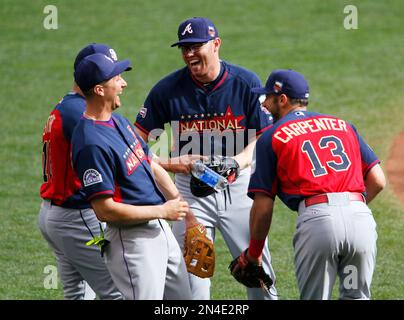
(152,114)
(263,178)
(95,169)
(369,158)
(258,117)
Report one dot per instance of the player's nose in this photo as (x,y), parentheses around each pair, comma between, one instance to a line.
(124,84)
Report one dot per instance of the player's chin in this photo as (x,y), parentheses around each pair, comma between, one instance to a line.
(117,102)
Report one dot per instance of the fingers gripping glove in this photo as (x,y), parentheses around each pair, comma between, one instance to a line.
(225,166)
(250,274)
(199,254)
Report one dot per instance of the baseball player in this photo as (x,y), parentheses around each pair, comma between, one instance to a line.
(66,219)
(319,166)
(212,112)
(127,190)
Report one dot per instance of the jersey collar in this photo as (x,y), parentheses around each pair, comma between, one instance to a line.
(212,86)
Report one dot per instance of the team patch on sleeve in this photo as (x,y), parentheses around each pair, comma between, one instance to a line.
(143,112)
(91,176)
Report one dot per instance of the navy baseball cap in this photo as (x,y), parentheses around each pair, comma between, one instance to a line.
(95,48)
(196,30)
(97,68)
(288,82)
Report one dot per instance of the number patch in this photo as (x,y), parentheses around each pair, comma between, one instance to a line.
(336,147)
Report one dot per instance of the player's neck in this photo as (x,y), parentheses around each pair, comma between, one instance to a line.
(97,112)
(211,75)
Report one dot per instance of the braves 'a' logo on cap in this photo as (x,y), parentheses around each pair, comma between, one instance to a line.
(188,29)
(91,176)
(278,86)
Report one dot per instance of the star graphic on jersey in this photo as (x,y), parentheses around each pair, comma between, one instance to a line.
(226,121)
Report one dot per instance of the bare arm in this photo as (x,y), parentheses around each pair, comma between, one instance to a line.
(107,210)
(163,180)
(244,158)
(260,219)
(375,181)
(143,135)
(170,190)
(261,216)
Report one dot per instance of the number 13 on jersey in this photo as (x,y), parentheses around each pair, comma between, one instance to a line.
(331,144)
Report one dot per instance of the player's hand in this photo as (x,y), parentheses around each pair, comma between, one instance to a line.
(175,210)
(183,164)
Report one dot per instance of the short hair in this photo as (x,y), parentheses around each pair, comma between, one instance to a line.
(302,102)
(89,93)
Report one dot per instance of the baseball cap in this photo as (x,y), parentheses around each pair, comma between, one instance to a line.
(97,68)
(196,30)
(289,82)
(95,48)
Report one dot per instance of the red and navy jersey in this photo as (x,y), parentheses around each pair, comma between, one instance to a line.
(111,159)
(222,111)
(61,185)
(307,153)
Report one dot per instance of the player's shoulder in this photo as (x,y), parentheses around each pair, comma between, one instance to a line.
(71,100)
(72,105)
(85,133)
(170,81)
(242,74)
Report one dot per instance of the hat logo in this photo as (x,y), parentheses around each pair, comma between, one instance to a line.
(113,54)
(106,57)
(278,86)
(211,31)
(188,29)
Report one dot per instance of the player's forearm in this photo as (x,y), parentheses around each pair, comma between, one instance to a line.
(244,158)
(164,182)
(261,216)
(182,164)
(107,210)
(375,181)
(165,164)
(260,222)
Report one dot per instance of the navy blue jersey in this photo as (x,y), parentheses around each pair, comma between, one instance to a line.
(111,159)
(221,112)
(61,184)
(308,153)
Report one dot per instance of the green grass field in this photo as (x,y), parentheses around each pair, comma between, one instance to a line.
(355,74)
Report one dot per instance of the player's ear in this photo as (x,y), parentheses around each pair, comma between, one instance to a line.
(216,43)
(283,99)
(98,90)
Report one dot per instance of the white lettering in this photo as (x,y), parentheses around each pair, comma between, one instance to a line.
(51,20)
(351,20)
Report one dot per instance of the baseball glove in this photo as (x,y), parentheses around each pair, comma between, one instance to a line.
(250,274)
(199,254)
(225,166)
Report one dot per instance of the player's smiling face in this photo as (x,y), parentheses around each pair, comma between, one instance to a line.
(271,103)
(202,59)
(112,89)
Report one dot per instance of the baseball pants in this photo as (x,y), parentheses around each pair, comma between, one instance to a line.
(146,262)
(67,231)
(333,239)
